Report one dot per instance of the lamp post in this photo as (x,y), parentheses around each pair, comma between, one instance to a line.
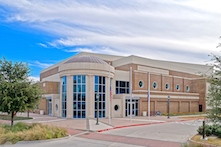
(97,97)
(168,107)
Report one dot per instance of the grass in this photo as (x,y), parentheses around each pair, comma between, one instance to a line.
(27,132)
(216,141)
(183,113)
(8,117)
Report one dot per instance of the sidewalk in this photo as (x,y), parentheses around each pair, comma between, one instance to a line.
(89,124)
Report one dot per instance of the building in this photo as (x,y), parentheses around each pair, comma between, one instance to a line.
(70,86)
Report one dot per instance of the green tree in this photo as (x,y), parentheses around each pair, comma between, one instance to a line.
(214,98)
(214,95)
(17,92)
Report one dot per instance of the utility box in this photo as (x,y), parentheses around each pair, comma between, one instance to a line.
(41,112)
(144,113)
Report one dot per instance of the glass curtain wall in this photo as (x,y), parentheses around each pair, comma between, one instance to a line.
(79,96)
(99,90)
(122,87)
(64,96)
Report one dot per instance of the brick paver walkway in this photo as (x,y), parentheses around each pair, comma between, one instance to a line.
(130,140)
(73,132)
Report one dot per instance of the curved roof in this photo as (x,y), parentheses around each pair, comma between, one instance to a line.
(90,59)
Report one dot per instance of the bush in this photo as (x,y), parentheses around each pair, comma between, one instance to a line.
(25,132)
(210,129)
(183,113)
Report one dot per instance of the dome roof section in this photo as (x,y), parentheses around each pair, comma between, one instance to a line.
(89,59)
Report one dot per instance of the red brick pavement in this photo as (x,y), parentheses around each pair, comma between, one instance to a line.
(73,132)
(5,121)
(130,140)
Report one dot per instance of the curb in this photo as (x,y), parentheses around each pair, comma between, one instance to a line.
(40,141)
(201,143)
(145,124)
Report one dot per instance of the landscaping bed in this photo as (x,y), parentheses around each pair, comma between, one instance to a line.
(216,141)
(28,132)
(183,113)
(8,117)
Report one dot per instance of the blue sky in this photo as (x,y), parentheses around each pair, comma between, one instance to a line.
(19,43)
(43,33)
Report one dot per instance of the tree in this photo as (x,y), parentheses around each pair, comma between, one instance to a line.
(214,98)
(214,95)
(17,92)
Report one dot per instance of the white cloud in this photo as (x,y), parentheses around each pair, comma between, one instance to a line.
(185,31)
(34,79)
(39,64)
(43,45)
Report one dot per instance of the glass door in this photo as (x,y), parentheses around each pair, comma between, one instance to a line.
(49,107)
(133,108)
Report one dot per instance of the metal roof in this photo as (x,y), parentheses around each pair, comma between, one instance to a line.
(90,59)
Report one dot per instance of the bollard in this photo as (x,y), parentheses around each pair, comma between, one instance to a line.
(203,129)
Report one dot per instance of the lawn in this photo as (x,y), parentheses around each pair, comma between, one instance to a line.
(216,141)
(27,132)
(8,117)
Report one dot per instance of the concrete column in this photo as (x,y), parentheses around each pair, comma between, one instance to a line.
(161,82)
(69,97)
(123,104)
(90,96)
(183,86)
(107,90)
(60,102)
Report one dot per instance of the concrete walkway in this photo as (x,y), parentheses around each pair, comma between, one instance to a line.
(156,132)
(89,124)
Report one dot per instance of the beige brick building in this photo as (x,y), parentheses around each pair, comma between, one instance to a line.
(70,86)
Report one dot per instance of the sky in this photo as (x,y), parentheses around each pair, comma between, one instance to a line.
(43,33)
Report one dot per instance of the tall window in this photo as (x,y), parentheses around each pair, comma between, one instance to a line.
(64,96)
(122,87)
(99,90)
(79,96)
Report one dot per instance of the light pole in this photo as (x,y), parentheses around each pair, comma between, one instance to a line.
(168,107)
(97,97)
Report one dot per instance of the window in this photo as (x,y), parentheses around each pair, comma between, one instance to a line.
(167,86)
(99,87)
(79,96)
(37,106)
(155,85)
(64,96)
(56,107)
(187,88)
(122,87)
(116,107)
(178,87)
(141,84)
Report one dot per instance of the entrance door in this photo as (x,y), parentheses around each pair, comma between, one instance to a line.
(200,108)
(49,104)
(133,108)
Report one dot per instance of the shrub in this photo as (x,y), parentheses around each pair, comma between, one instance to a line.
(210,129)
(25,132)
(183,113)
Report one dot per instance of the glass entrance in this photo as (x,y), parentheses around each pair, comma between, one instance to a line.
(134,104)
(49,105)
(133,110)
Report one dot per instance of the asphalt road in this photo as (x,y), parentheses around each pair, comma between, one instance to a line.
(172,131)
